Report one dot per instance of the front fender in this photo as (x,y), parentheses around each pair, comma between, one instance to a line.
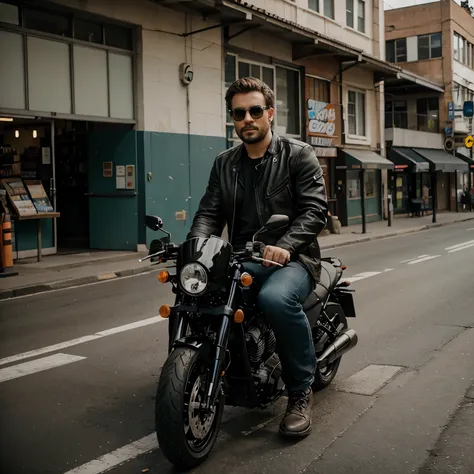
(202,344)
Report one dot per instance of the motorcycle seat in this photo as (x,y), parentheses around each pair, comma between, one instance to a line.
(330,277)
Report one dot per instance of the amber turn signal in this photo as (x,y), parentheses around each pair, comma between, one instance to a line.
(345,283)
(239,316)
(246,279)
(165,311)
(163,276)
(343,267)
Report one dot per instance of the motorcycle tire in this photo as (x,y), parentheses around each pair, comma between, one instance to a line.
(172,410)
(323,378)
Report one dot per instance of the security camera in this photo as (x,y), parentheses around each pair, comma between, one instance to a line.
(186,73)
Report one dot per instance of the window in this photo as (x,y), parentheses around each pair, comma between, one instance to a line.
(429,46)
(353,185)
(463,51)
(427,111)
(396,114)
(361,16)
(370,183)
(118,37)
(287,101)
(329,8)
(318,89)
(456,46)
(350,13)
(48,22)
(356,113)
(88,31)
(313,5)
(396,50)
(284,82)
(9,14)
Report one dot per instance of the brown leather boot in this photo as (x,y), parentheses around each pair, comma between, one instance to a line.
(297,419)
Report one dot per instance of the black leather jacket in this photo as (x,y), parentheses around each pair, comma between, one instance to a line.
(291,183)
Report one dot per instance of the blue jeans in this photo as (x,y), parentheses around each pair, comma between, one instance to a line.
(282,292)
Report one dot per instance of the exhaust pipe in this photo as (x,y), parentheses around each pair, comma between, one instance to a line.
(344,343)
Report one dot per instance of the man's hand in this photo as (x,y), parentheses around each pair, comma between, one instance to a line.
(275,254)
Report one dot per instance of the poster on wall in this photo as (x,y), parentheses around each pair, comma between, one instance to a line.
(39,196)
(323,123)
(19,197)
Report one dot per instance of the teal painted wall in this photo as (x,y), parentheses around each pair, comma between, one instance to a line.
(113,219)
(25,234)
(180,167)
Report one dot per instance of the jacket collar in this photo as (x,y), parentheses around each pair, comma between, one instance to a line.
(272,150)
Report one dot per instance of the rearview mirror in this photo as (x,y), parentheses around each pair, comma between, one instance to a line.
(154,222)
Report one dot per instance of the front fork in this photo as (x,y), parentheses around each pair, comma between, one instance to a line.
(221,343)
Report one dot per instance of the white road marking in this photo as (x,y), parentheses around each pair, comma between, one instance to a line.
(460,245)
(38,365)
(470,229)
(81,340)
(412,259)
(461,248)
(457,249)
(424,259)
(361,276)
(117,457)
(370,380)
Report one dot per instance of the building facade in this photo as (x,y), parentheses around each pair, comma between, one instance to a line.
(433,40)
(118,107)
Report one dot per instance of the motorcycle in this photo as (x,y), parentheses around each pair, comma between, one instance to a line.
(221,350)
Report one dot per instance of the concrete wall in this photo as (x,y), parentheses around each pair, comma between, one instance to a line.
(414,138)
(297,11)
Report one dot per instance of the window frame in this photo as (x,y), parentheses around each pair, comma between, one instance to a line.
(430,46)
(361,3)
(418,114)
(394,43)
(357,135)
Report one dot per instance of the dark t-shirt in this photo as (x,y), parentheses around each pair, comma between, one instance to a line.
(247,222)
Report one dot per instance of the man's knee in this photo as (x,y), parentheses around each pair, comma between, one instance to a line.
(274,298)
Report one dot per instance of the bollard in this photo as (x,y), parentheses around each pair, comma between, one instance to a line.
(6,250)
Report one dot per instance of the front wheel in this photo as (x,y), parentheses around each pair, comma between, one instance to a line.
(324,376)
(186,434)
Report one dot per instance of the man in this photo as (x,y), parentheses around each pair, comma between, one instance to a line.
(269,175)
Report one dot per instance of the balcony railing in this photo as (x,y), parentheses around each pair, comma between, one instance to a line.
(419,122)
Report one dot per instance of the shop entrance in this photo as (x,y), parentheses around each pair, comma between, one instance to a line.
(68,158)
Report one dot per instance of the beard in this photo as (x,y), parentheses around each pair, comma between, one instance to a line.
(257,136)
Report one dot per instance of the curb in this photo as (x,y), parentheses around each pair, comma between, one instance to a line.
(62,284)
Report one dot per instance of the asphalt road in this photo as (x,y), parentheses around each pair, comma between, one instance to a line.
(79,369)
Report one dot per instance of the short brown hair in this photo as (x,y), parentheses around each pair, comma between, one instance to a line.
(245,85)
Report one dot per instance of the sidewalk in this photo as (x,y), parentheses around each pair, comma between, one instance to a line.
(64,271)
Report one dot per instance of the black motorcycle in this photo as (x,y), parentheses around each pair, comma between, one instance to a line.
(221,349)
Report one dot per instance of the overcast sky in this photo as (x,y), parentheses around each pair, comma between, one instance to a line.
(389,4)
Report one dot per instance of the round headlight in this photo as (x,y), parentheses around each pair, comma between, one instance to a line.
(193,278)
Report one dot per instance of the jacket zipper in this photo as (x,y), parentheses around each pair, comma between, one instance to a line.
(235,202)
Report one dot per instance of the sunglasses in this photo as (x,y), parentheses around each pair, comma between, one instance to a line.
(256,112)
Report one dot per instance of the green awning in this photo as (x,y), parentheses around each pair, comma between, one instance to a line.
(364,159)
(465,158)
(407,158)
(442,160)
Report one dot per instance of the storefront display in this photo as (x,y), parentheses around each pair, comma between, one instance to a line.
(19,198)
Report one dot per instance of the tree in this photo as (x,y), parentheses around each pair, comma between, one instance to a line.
(465,5)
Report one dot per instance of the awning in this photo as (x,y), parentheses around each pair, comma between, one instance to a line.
(466,159)
(441,160)
(404,157)
(352,159)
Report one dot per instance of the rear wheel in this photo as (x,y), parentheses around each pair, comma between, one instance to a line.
(324,376)
(186,434)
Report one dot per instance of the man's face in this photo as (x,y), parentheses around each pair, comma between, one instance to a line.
(251,119)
